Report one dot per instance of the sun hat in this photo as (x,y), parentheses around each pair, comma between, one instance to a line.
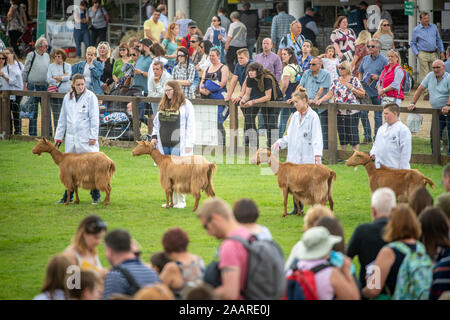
(315,244)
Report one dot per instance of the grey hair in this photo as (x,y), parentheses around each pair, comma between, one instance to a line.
(378,42)
(383,201)
(40,41)
(235,15)
(439,60)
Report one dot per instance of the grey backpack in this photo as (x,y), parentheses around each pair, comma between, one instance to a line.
(265,273)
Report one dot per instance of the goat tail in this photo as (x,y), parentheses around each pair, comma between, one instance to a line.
(209,188)
(429,181)
(112,169)
(333,175)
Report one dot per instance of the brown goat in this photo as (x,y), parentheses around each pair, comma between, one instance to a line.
(183,174)
(90,170)
(308,183)
(402,181)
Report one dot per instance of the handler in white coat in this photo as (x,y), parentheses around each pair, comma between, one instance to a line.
(304,136)
(174,128)
(79,122)
(392,147)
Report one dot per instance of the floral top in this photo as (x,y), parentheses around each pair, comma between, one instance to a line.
(304,64)
(330,65)
(342,94)
(361,51)
(344,39)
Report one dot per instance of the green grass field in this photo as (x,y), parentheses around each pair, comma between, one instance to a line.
(33,228)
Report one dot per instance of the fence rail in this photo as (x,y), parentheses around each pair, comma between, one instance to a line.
(332,154)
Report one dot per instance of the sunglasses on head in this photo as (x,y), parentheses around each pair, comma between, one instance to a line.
(95,227)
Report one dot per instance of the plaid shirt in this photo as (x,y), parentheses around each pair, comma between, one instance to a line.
(280,26)
(183,73)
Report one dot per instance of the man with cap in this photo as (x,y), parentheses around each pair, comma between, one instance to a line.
(186,41)
(141,74)
(153,28)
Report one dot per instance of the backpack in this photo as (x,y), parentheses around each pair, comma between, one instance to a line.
(298,73)
(407,82)
(415,274)
(301,284)
(265,273)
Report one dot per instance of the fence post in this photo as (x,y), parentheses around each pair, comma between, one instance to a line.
(5,114)
(136,121)
(332,133)
(436,156)
(234,127)
(45,115)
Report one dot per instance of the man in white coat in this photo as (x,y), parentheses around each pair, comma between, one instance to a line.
(79,122)
(392,147)
(304,135)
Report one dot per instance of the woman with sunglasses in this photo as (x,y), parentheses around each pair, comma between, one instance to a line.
(104,56)
(14,70)
(124,57)
(83,250)
(385,36)
(217,35)
(184,73)
(174,127)
(390,83)
(170,43)
(197,54)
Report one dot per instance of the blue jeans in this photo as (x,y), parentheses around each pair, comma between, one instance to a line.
(142,107)
(80,36)
(250,45)
(378,115)
(33,122)
(323,116)
(154,108)
(261,124)
(284,117)
(444,121)
(172,151)
(366,124)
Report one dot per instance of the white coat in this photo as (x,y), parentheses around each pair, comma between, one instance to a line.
(392,147)
(303,139)
(187,129)
(79,121)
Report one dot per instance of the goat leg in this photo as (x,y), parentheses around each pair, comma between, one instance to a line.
(168,194)
(285,197)
(108,192)
(297,204)
(77,199)
(197,199)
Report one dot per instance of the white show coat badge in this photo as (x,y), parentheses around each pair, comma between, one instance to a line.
(84,108)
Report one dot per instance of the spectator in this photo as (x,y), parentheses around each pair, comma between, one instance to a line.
(246,212)
(438,85)
(269,60)
(392,155)
(357,18)
(440,288)
(217,219)
(236,39)
(133,43)
(369,73)
(17,23)
(419,200)
(128,274)
(142,72)
(384,13)
(330,62)
(53,287)
(425,42)
(281,25)
(184,73)
(314,214)
(403,228)
(343,39)
(361,50)
(289,82)
(170,44)
(174,127)
(201,292)
(346,90)
(13,68)
(186,41)
(182,22)
(99,22)
(304,136)
(293,39)
(217,35)
(331,282)
(185,270)
(435,233)
(309,27)
(157,291)
(385,36)
(317,81)
(389,85)
(305,60)
(58,75)
(197,55)
(334,226)
(156,83)
(446,177)
(154,28)
(224,21)
(80,27)
(447,62)
(124,57)
(366,240)
(91,69)
(158,260)
(213,86)
(146,9)
(443,201)
(205,47)
(163,18)
(89,286)
(34,76)
(251,20)
(104,56)
(261,87)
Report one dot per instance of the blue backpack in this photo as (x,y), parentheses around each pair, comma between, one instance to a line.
(415,275)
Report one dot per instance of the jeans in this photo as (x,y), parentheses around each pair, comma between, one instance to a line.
(284,117)
(56,105)
(366,125)
(250,134)
(250,45)
(80,36)
(33,122)
(261,124)
(378,115)
(323,116)
(154,108)
(97,33)
(143,107)
(15,122)
(95,194)
(444,120)
(172,151)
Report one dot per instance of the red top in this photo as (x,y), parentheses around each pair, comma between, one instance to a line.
(387,77)
(185,44)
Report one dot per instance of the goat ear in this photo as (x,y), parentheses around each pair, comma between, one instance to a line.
(43,138)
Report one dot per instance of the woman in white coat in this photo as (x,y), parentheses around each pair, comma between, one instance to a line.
(174,128)
(304,135)
(79,122)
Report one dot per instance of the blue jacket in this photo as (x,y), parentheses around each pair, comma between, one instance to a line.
(96,73)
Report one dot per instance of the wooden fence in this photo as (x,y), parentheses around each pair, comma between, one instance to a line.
(332,154)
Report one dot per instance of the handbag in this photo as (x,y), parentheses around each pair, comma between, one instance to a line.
(52,89)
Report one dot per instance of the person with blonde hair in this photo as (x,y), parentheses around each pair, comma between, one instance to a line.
(104,56)
(182,22)
(91,69)
(390,83)
(361,50)
(385,36)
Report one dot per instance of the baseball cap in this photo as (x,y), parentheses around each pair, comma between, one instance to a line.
(192,24)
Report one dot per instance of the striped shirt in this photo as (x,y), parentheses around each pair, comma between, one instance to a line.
(117,283)
(280,26)
(441,278)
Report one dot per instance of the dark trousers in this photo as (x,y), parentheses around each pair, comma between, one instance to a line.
(80,36)
(444,121)
(33,122)
(14,36)
(232,57)
(99,34)
(270,116)
(250,134)
(55,105)
(15,119)
(323,116)
(347,127)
